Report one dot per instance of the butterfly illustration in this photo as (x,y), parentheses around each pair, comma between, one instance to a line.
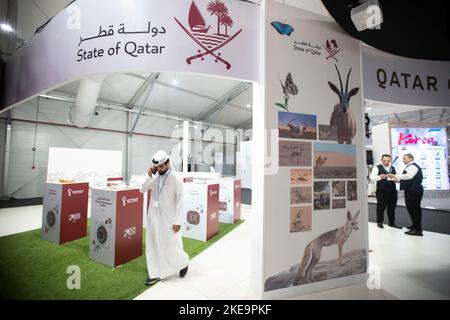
(289,87)
(282,28)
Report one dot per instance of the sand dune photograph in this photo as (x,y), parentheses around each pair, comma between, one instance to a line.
(301,176)
(334,161)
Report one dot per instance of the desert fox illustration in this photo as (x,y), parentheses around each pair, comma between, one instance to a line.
(313,250)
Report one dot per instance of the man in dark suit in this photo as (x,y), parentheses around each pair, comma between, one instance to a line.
(386,191)
(411,182)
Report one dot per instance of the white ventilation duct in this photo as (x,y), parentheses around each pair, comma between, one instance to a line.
(86,100)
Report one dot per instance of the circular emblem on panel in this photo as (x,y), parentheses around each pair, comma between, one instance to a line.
(102,234)
(51,218)
(193,217)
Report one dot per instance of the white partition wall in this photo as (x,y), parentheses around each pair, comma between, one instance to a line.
(314,189)
(94,166)
(381,141)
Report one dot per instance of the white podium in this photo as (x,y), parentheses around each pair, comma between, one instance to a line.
(64,211)
(229,200)
(200,207)
(116,225)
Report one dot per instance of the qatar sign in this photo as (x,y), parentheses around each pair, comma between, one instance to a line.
(395,79)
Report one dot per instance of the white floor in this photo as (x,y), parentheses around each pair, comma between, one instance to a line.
(409,267)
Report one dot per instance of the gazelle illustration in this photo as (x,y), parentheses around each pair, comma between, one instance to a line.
(342,117)
(294,129)
(297,130)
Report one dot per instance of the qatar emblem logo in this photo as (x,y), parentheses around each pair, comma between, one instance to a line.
(332,49)
(209,42)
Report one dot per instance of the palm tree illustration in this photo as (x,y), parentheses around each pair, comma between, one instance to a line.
(226,21)
(217,8)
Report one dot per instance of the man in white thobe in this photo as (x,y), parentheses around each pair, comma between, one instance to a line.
(164,246)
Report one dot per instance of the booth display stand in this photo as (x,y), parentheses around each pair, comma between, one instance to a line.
(116,225)
(64,214)
(201,208)
(230,200)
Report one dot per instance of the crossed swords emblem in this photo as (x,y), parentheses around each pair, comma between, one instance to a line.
(201,54)
(332,52)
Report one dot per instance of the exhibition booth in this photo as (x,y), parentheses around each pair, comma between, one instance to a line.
(303,175)
(406,102)
(159,40)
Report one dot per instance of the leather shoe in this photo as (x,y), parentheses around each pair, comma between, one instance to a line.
(380,225)
(395,226)
(414,233)
(183,272)
(151,281)
(410,227)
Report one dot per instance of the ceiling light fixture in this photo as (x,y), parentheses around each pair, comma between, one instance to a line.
(367,15)
(6,27)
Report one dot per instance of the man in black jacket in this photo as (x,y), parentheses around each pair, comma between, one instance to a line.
(386,192)
(411,183)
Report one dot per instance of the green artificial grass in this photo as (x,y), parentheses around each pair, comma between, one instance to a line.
(32,268)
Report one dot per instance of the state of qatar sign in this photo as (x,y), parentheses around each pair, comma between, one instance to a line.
(217,37)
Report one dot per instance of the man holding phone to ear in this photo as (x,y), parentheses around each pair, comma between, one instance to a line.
(164,247)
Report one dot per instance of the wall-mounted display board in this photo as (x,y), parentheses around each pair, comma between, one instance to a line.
(315,230)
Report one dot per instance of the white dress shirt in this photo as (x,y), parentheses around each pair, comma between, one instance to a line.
(374,175)
(411,171)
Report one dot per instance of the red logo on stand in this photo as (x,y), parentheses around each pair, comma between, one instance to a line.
(409,139)
(71,192)
(126,201)
(199,32)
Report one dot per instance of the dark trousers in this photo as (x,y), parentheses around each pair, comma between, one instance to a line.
(412,201)
(386,199)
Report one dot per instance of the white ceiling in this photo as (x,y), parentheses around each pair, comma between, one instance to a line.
(192,95)
(390,112)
